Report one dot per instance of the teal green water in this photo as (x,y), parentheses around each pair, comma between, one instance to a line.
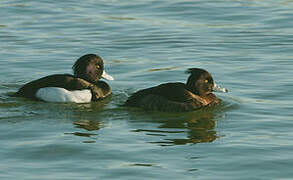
(246,45)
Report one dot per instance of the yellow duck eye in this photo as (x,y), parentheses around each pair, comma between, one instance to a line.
(206,81)
(97,66)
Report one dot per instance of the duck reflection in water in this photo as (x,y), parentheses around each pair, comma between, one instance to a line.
(195,96)
(89,125)
(85,118)
(181,129)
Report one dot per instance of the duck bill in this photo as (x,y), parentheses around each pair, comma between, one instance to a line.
(107,76)
(217,88)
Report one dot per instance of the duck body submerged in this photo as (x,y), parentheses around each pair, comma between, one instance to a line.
(165,97)
(88,70)
(67,81)
(178,97)
(56,94)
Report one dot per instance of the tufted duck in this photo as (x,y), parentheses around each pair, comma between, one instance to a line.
(88,70)
(196,93)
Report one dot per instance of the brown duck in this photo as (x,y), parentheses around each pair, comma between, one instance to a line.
(195,94)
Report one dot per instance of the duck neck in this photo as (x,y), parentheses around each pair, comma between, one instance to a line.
(191,86)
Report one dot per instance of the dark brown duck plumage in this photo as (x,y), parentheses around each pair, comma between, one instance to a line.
(88,70)
(196,93)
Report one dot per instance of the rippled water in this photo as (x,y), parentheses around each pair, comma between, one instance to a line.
(246,45)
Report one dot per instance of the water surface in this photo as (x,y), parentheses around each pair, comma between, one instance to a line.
(246,45)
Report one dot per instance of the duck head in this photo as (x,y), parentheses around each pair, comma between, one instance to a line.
(201,82)
(91,68)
